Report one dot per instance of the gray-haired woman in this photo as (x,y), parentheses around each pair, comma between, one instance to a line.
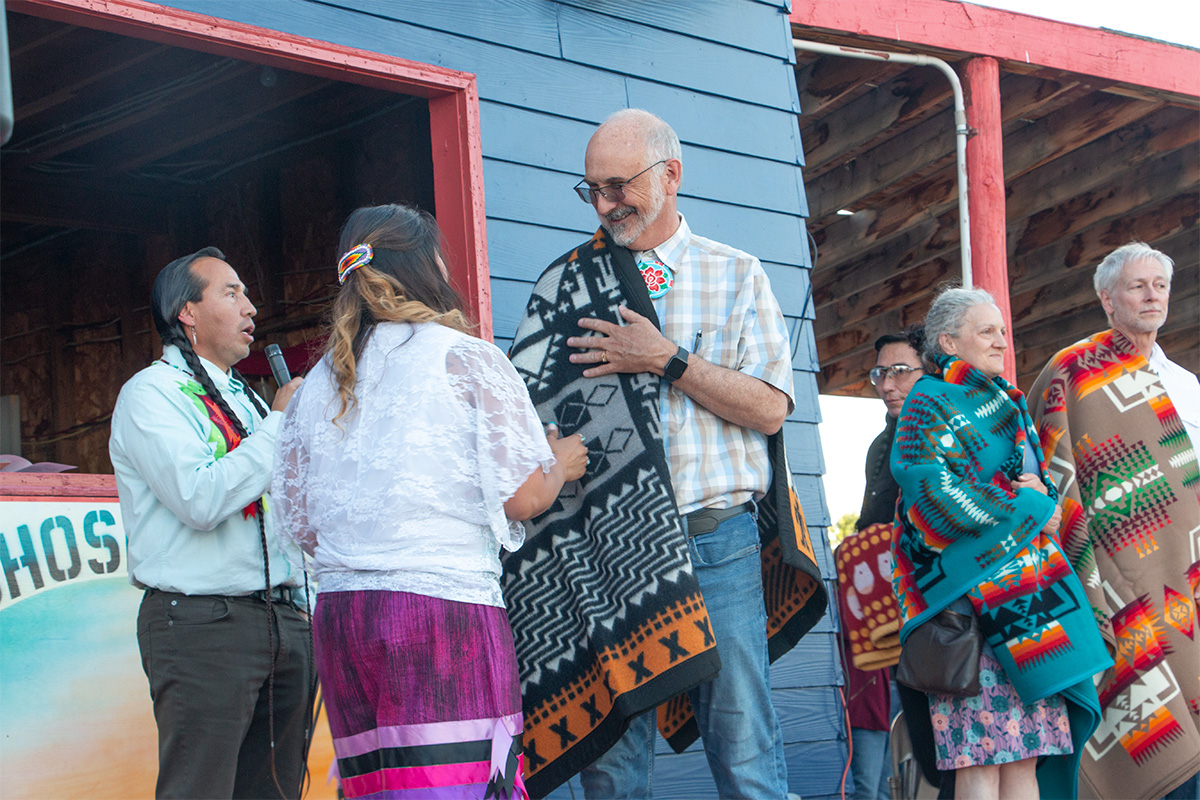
(977,520)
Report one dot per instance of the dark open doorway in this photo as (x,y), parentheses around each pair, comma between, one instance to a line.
(127,153)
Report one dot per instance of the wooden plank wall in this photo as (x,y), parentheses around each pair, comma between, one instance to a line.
(721,73)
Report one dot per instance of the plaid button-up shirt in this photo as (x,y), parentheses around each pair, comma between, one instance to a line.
(722,309)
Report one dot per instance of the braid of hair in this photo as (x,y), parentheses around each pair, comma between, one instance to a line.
(202,377)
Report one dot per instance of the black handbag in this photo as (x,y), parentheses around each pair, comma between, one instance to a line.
(942,655)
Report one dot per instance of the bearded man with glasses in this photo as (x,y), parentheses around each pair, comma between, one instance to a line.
(669,353)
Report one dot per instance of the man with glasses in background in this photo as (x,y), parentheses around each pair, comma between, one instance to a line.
(712,330)
(897,369)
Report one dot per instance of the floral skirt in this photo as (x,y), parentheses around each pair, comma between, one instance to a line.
(994,726)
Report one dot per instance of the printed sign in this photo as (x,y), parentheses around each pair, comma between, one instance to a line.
(77,717)
(49,544)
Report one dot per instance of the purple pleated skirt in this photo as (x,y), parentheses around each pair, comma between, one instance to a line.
(422,694)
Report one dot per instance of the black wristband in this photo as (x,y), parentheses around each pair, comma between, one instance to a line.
(675,368)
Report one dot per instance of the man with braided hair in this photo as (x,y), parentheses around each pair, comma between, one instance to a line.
(224,637)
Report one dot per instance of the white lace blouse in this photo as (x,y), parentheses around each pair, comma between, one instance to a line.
(408,494)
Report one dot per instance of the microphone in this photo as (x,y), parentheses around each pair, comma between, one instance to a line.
(279,367)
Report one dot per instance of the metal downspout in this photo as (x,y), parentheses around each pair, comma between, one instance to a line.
(961,131)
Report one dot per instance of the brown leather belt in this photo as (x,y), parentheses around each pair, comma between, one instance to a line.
(706,520)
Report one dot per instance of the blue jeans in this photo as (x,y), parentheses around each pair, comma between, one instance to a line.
(871,764)
(738,725)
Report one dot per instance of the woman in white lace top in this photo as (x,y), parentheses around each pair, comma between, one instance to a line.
(405,463)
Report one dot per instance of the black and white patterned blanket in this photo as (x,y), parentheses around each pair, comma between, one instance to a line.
(607,616)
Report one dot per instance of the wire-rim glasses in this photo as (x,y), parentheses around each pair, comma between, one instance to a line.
(613,192)
(881,374)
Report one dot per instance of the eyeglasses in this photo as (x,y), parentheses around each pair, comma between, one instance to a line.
(881,374)
(613,192)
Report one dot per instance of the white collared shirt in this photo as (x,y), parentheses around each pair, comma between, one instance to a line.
(183,492)
(1184,390)
(723,295)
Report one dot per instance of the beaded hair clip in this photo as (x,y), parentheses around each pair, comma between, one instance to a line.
(357,256)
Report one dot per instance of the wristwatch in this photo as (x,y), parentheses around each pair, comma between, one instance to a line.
(675,368)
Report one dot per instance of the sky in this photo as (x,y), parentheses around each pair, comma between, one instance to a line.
(850,423)
(1170,20)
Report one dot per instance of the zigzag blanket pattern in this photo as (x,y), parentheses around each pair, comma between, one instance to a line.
(607,616)
(964,531)
(1131,529)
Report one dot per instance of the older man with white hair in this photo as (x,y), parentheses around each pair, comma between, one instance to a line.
(1120,424)
(670,354)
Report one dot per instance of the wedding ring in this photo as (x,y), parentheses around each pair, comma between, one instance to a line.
(604,356)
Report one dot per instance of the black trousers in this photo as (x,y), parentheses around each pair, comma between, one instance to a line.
(209,666)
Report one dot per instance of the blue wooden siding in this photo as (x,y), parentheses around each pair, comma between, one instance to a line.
(720,71)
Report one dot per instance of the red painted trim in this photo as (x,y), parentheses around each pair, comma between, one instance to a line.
(1008,36)
(985,189)
(51,485)
(458,183)
(453,107)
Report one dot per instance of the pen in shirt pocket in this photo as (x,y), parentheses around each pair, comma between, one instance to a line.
(696,344)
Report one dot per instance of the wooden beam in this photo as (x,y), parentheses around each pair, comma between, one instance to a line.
(1081,231)
(1078,170)
(827,82)
(266,141)
(902,288)
(850,237)
(198,121)
(923,241)
(208,34)
(844,329)
(910,266)
(87,134)
(29,484)
(26,34)
(78,207)
(979,30)
(59,80)
(928,143)
(928,239)
(833,138)
(985,188)
(1068,129)
(1101,161)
